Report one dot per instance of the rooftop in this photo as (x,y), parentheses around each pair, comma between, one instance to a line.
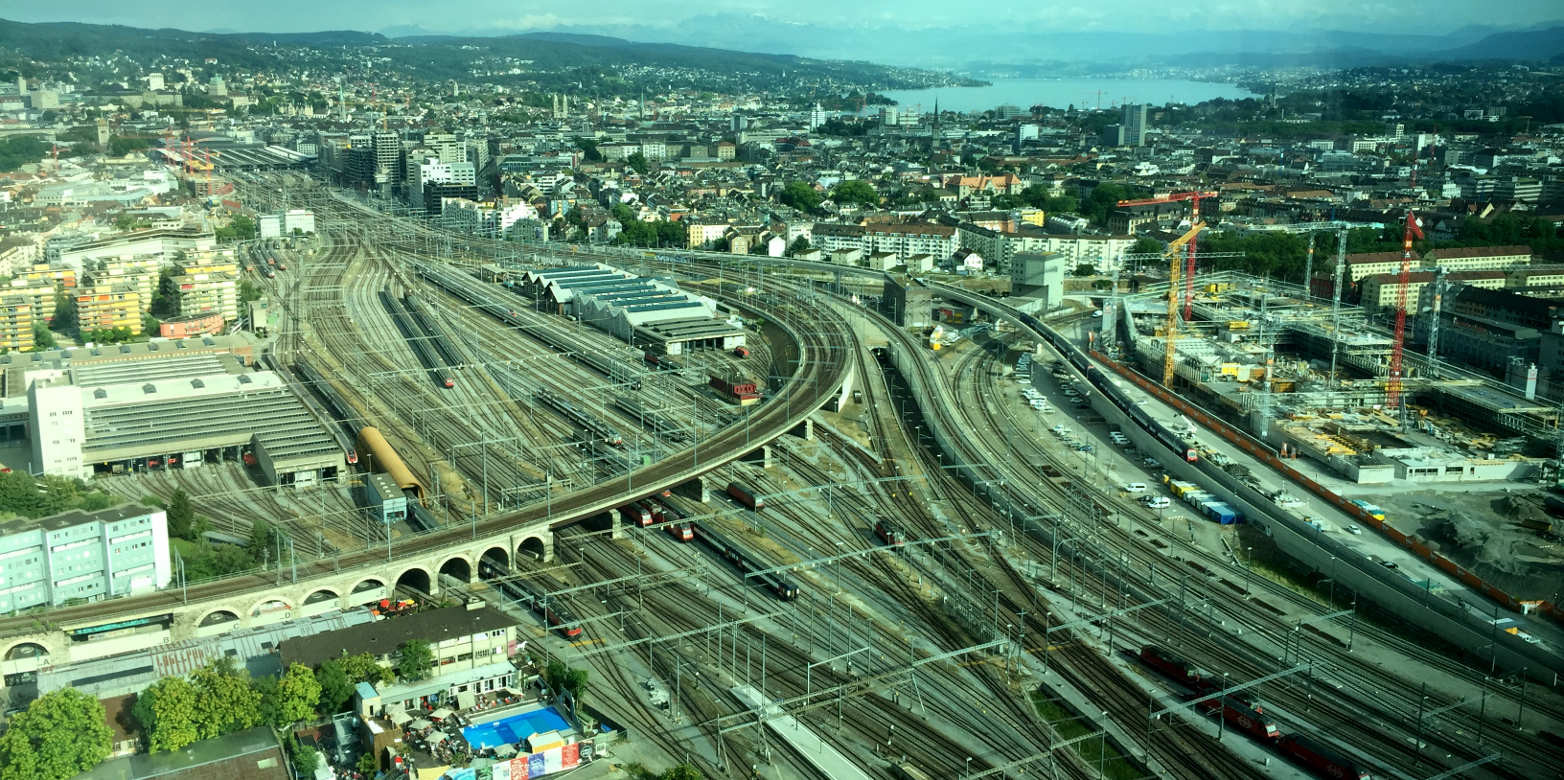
(382,637)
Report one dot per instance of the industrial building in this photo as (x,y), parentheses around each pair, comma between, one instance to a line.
(162,404)
(1039,276)
(158,243)
(908,302)
(653,315)
(83,555)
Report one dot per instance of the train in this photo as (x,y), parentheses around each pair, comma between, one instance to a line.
(654,421)
(889,533)
(1318,759)
(745,496)
(418,340)
(739,392)
(635,514)
(777,585)
(1077,357)
(586,421)
(425,322)
(623,372)
(1244,715)
(741,351)
(336,407)
(662,362)
(681,530)
(553,612)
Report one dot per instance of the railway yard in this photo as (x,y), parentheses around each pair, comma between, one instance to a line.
(929,574)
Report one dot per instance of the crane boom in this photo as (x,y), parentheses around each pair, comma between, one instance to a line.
(1393,387)
(1170,333)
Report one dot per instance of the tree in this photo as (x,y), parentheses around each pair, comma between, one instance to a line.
(681,772)
(296,694)
(364,668)
(249,291)
(259,544)
(65,320)
(1146,246)
(799,246)
(367,765)
(181,515)
(800,195)
(166,711)
(60,735)
(1084,269)
(165,300)
(855,191)
(588,148)
(42,338)
(227,702)
(414,660)
(335,687)
(637,162)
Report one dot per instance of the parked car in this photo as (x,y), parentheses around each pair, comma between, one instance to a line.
(1135,487)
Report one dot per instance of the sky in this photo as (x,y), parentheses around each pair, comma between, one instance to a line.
(502,16)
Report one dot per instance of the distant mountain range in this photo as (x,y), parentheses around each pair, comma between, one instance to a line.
(437,56)
(975,47)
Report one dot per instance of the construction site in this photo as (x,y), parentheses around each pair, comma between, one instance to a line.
(1457,457)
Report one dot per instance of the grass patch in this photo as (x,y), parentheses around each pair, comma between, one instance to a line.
(1093,752)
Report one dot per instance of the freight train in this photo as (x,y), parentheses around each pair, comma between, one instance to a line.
(736,555)
(1240,713)
(418,340)
(735,391)
(747,497)
(1078,358)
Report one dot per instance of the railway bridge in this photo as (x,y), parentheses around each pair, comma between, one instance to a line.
(822,373)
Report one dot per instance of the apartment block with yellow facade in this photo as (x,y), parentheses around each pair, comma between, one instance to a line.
(40,295)
(16,320)
(108,306)
(139,272)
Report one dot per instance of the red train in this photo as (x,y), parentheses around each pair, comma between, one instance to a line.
(745,496)
(742,352)
(1242,715)
(1318,759)
(635,514)
(889,533)
(741,393)
(1176,669)
(681,531)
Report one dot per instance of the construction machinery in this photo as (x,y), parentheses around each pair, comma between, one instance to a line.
(1414,228)
(1194,218)
(1171,332)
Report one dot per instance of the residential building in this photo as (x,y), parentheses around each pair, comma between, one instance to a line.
(388,162)
(1383,290)
(42,294)
(16,319)
(816,117)
(204,291)
(79,555)
(465,637)
(906,240)
(185,326)
(109,305)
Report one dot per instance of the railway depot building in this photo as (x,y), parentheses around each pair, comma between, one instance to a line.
(652,315)
(162,404)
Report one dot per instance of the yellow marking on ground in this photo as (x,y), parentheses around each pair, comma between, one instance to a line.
(586,643)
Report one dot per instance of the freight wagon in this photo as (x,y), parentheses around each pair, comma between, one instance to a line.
(741,393)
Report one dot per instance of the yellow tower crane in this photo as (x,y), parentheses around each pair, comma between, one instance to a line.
(1171,331)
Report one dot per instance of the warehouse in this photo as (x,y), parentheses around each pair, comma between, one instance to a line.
(653,315)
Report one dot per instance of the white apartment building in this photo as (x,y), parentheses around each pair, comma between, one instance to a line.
(83,555)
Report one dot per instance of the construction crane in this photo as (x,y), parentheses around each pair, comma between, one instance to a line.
(1194,218)
(1170,334)
(1414,228)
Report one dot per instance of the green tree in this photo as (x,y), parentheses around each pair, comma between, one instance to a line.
(681,772)
(60,735)
(181,515)
(335,687)
(166,712)
(1084,269)
(259,545)
(637,162)
(1146,246)
(799,246)
(367,765)
(249,291)
(800,195)
(227,701)
(364,668)
(414,660)
(296,694)
(65,318)
(42,338)
(588,148)
(670,233)
(165,299)
(150,325)
(855,191)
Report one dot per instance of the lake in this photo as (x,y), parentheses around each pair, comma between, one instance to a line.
(1060,93)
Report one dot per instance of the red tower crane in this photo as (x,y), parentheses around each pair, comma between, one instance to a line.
(1414,229)
(1194,219)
